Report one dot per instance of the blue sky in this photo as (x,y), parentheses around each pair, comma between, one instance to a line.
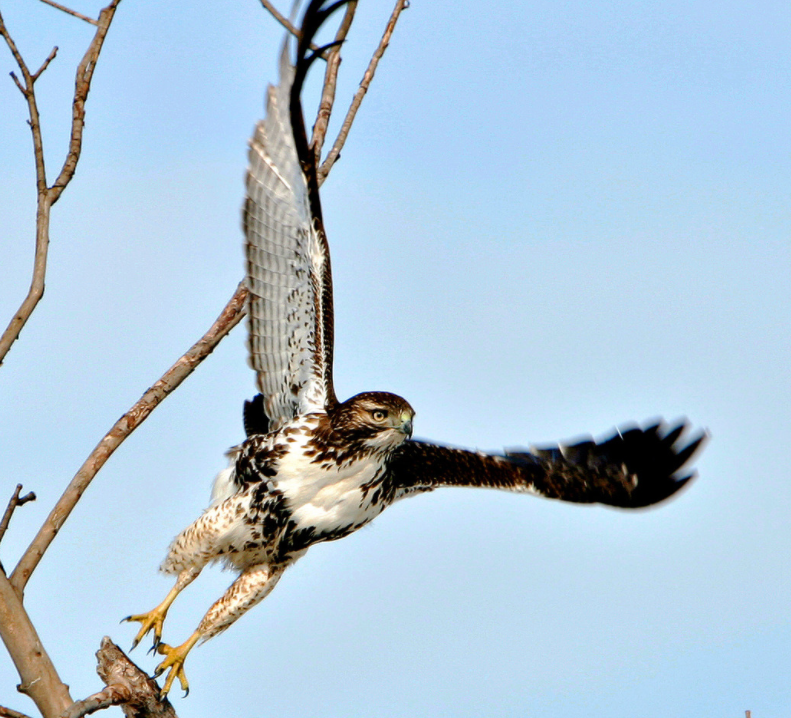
(549,219)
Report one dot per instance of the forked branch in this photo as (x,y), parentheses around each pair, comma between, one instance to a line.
(15,501)
(47,196)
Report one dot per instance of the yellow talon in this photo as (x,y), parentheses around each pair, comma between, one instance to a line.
(151,620)
(154,618)
(174,662)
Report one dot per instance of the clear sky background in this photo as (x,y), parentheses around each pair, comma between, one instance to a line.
(550,218)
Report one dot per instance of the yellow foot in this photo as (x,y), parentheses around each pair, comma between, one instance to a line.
(152,620)
(174,661)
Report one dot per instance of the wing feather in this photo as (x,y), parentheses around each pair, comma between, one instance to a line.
(631,469)
(290,315)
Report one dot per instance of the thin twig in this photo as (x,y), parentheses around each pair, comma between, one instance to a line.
(81,88)
(230,316)
(11,713)
(71,12)
(18,83)
(34,122)
(45,64)
(330,82)
(334,153)
(284,21)
(15,501)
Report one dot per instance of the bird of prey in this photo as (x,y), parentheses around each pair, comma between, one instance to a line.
(316,469)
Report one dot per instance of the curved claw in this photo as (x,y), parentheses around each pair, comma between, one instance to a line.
(152,621)
(174,662)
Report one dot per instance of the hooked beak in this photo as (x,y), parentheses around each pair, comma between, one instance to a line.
(406,425)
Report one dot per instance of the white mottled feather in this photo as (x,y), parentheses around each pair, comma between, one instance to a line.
(285,262)
(224,485)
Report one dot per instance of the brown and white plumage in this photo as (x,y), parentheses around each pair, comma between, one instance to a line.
(288,270)
(315,469)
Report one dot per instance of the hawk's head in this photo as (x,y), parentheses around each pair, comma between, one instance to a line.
(376,419)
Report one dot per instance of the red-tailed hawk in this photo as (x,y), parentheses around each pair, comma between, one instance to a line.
(316,469)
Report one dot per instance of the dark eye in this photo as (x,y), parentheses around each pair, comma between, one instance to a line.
(379,414)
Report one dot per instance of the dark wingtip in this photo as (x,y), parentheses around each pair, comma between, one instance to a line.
(663,479)
(314,17)
(670,438)
(684,455)
(662,492)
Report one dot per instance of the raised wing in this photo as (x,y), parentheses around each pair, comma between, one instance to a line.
(632,469)
(290,318)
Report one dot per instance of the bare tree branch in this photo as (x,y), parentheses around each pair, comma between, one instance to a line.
(47,196)
(330,82)
(230,316)
(284,21)
(70,12)
(36,290)
(334,153)
(14,51)
(11,713)
(45,64)
(15,501)
(40,680)
(81,88)
(18,83)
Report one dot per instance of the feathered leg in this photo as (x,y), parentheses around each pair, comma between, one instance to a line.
(252,586)
(154,619)
(201,542)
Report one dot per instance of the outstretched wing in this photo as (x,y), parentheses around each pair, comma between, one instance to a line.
(634,468)
(290,319)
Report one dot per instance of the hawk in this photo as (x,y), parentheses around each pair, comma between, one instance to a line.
(316,469)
